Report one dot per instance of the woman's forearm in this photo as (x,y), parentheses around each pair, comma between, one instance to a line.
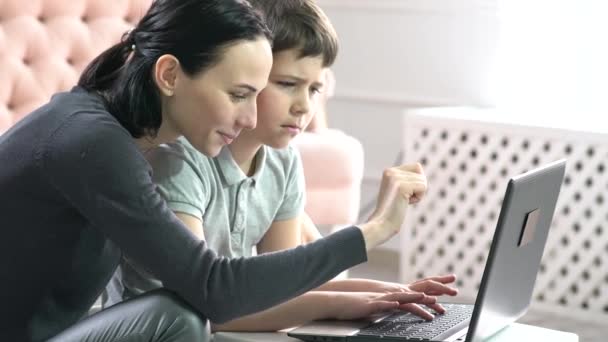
(307,307)
(348,285)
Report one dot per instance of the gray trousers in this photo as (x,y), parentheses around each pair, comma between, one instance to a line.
(157,316)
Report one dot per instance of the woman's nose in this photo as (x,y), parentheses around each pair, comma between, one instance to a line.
(248,119)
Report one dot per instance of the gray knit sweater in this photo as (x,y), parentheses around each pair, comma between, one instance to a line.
(75,193)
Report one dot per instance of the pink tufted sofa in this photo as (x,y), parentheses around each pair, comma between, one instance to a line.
(45,44)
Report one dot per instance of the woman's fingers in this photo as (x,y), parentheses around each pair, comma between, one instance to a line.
(421,312)
(445,279)
(433,288)
(382,306)
(437,307)
(410,302)
(417,310)
(409,297)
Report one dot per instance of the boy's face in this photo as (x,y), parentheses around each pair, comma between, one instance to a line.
(291,98)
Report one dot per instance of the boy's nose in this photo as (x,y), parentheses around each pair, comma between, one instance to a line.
(301,106)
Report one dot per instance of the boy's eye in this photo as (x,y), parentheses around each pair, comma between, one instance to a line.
(315,90)
(286,84)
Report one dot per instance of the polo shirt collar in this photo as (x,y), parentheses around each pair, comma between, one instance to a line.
(232,173)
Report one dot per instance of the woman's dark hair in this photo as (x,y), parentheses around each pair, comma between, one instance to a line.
(196,32)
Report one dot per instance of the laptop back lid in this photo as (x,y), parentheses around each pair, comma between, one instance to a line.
(516,250)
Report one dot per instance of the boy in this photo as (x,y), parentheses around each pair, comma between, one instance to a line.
(253,192)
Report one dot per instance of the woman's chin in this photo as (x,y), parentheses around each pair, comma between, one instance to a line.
(209,150)
(213,151)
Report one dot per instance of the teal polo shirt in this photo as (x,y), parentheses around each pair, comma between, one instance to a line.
(236,210)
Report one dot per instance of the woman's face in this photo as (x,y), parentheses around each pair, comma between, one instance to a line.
(211,108)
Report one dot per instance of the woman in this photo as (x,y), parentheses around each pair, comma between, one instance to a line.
(251,196)
(76,190)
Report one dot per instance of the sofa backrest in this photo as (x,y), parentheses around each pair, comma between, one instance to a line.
(45,45)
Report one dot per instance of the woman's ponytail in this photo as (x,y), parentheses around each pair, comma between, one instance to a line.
(103,71)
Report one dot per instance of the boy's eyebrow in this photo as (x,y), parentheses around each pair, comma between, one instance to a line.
(248,87)
(299,79)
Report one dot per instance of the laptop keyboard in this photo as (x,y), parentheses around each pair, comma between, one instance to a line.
(408,326)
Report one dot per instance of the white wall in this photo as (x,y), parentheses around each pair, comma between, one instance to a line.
(396,54)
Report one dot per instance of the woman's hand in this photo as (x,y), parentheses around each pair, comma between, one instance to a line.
(356,305)
(400,186)
(431,286)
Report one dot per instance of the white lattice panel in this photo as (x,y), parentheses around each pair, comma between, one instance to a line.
(468,164)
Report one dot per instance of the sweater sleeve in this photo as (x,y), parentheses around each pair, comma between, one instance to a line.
(96,166)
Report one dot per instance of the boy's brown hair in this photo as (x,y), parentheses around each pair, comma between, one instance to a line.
(302,25)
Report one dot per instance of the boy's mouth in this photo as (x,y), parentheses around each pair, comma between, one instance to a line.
(292,129)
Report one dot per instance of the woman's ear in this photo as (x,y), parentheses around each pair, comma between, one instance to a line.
(165,74)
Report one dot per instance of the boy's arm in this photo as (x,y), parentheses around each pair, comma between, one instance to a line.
(310,232)
(286,231)
(307,307)
(284,234)
(291,233)
(281,235)
(300,230)
(193,223)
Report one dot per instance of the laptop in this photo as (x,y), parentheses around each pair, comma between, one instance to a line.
(507,283)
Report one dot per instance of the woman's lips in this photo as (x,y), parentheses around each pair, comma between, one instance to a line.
(228,138)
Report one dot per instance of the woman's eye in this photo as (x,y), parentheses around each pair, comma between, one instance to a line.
(235,97)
